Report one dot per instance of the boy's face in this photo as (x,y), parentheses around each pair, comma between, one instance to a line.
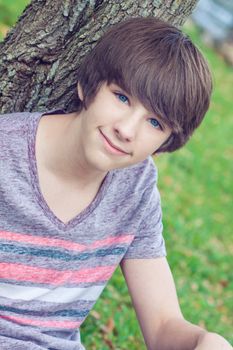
(117,130)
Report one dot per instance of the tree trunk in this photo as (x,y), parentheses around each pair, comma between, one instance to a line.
(40,56)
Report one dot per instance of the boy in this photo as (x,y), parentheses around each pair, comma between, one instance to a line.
(78,194)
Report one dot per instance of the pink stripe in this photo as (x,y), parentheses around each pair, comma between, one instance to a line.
(113,240)
(53,242)
(20,272)
(40,323)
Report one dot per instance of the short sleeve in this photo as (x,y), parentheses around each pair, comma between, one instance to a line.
(148,241)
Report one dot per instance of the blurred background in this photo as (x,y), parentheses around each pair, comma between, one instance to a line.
(197,199)
(215,18)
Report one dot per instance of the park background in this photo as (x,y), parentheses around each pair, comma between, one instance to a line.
(197,195)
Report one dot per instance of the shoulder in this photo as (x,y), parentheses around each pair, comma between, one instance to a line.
(13,121)
(132,184)
(13,116)
(138,176)
(14,130)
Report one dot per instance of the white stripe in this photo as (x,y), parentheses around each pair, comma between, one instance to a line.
(59,295)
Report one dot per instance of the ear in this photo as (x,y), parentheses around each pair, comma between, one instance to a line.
(80,92)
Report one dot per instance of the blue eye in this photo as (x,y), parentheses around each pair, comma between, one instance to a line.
(122,98)
(154,122)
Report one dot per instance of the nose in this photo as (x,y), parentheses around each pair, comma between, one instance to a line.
(126,129)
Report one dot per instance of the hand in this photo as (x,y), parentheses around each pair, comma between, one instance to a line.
(212,341)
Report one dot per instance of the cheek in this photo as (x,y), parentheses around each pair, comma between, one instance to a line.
(92,119)
(151,144)
(100,116)
(150,139)
(145,148)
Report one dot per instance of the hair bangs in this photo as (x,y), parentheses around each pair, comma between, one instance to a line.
(154,87)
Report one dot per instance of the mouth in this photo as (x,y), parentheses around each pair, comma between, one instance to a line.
(111,147)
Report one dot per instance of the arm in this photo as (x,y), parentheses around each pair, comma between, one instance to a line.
(154,297)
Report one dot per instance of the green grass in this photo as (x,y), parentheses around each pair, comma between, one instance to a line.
(9,12)
(196,188)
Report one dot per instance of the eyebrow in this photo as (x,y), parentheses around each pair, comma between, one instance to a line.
(121,88)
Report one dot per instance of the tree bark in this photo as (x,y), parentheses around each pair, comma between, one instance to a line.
(40,56)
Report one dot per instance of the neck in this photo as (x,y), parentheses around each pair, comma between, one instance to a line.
(58,151)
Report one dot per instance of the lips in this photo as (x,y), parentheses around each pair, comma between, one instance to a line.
(112,145)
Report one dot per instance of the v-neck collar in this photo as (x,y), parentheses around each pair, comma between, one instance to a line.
(32,132)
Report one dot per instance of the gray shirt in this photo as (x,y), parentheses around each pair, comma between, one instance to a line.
(52,273)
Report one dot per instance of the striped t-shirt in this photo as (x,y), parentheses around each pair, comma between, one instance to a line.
(52,273)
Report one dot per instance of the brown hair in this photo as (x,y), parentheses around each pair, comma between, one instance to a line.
(160,66)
